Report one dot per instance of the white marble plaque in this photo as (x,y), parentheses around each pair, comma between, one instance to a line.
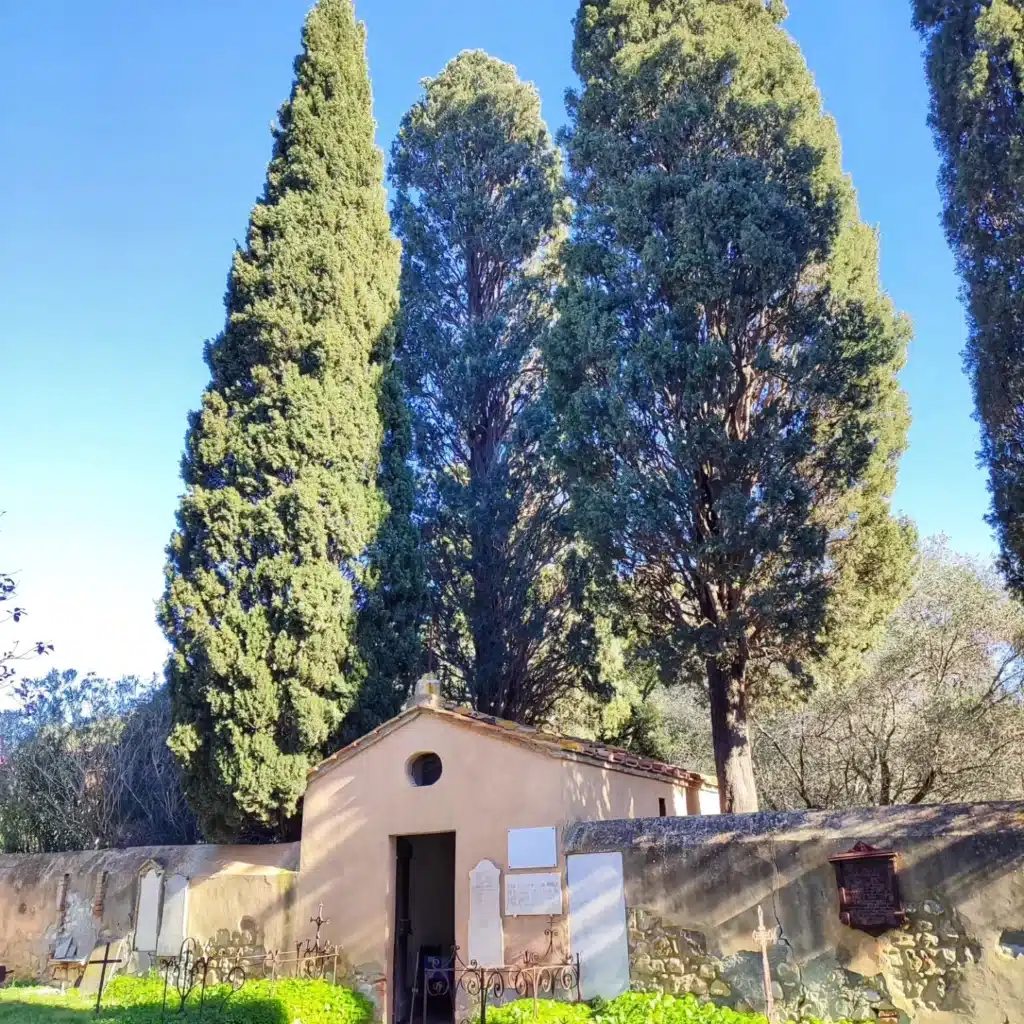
(174,923)
(486,939)
(532,848)
(539,893)
(597,923)
(147,920)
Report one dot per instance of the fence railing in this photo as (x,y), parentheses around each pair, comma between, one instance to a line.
(195,973)
(206,977)
(474,986)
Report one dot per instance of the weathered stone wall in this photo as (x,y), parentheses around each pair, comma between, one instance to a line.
(73,901)
(693,888)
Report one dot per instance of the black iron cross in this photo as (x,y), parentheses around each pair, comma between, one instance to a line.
(103,973)
(319,921)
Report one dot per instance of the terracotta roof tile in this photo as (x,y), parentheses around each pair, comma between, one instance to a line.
(555,743)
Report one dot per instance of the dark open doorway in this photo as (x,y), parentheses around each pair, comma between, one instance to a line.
(424,921)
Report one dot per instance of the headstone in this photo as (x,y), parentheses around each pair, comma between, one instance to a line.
(147,922)
(597,923)
(174,924)
(532,848)
(94,969)
(539,893)
(486,939)
(66,948)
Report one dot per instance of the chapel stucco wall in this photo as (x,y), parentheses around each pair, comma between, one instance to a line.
(693,887)
(354,810)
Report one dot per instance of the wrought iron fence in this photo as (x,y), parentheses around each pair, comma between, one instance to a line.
(474,985)
(196,973)
(205,978)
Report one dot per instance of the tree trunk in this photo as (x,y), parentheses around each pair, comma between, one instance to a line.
(734,764)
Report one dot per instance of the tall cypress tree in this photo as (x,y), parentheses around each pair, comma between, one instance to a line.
(479,207)
(281,461)
(975,61)
(724,364)
(392,589)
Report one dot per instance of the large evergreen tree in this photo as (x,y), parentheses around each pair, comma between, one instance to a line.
(479,207)
(282,460)
(975,60)
(724,365)
(391,591)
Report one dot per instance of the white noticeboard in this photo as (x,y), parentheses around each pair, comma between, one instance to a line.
(597,923)
(533,894)
(532,848)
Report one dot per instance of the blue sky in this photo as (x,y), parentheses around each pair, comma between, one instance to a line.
(135,139)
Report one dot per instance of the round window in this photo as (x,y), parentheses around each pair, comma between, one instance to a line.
(424,769)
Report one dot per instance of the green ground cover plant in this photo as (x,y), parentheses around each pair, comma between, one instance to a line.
(630,1008)
(140,1001)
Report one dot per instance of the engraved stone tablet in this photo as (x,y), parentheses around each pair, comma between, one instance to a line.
(486,939)
(533,894)
(869,895)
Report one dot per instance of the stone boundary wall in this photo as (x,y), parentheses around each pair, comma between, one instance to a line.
(693,887)
(61,901)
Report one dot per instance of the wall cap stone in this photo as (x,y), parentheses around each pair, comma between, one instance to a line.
(893,823)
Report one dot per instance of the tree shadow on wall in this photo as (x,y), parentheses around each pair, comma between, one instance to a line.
(711,874)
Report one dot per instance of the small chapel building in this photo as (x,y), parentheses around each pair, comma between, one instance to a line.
(442,828)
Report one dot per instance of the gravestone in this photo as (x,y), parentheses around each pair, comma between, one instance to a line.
(95,969)
(147,923)
(486,939)
(174,924)
(597,923)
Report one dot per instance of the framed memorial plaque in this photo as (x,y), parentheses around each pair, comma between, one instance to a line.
(869,893)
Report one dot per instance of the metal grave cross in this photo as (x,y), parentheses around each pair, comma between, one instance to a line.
(319,921)
(765,938)
(102,964)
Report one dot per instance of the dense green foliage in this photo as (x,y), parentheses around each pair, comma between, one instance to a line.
(140,1001)
(479,208)
(724,363)
(391,593)
(85,766)
(631,1008)
(282,460)
(975,61)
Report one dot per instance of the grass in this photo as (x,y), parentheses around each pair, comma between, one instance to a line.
(140,1001)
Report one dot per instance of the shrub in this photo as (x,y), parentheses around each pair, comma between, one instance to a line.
(139,1001)
(647,1008)
(630,1008)
(549,1011)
